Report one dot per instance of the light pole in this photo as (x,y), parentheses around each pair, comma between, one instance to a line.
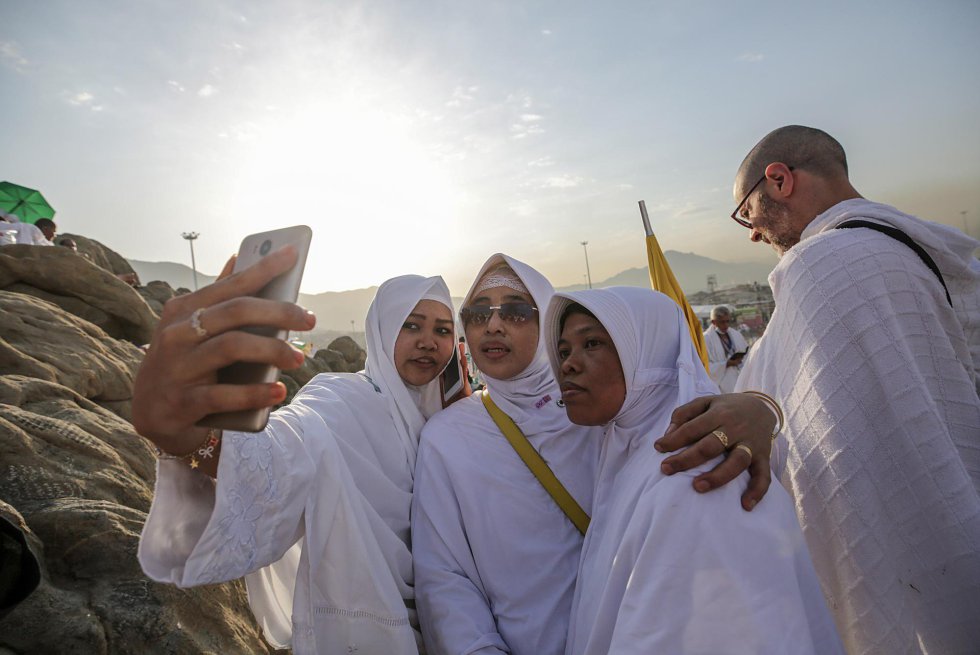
(352,329)
(190,236)
(588,273)
(966,230)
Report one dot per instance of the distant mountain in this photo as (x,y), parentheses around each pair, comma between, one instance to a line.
(176,275)
(336,309)
(692,273)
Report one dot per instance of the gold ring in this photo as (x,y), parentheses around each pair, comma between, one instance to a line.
(196,323)
(742,446)
(722,437)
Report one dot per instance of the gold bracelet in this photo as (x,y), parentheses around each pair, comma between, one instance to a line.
(773,407)
(204,451)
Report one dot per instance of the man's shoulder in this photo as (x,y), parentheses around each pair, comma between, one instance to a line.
(847,256)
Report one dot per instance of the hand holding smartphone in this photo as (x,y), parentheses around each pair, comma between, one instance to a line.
(284,288)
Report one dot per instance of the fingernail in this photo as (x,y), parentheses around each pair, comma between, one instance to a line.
(310,318)
(702,486)
(666,468)
(299,357)
(752,503)
(659,448)
(670,428)
(277,391)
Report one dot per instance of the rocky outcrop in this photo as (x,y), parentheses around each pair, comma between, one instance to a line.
(76,481)
(156,293)
(100,255)
(39,340)
(82,480)
(326,360)
(78,286)
(353,354)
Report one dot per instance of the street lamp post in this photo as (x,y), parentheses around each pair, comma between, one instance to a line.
(190,236)
(588,273)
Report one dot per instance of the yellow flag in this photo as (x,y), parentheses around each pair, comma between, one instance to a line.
(662,279)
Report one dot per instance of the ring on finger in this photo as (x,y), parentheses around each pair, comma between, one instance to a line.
(722,437)
(742,446)
(199,329)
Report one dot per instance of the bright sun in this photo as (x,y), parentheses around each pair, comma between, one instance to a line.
(376,194)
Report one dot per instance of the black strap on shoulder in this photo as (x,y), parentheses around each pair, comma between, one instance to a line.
(898,235)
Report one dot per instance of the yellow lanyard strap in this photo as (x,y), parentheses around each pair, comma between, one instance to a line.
(538,466)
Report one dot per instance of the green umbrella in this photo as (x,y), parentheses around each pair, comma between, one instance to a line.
(28,204)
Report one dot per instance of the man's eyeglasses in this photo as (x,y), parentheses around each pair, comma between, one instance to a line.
(738,219)
(513,312)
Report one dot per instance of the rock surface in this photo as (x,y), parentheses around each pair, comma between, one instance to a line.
(77,477)
(354,355)
(78,286)
(82,479)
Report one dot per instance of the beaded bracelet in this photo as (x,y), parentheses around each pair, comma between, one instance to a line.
(204,451)
(773,407)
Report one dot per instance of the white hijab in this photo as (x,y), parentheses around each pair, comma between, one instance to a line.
(271,589)
(409,406)
(525,391)
(660,363)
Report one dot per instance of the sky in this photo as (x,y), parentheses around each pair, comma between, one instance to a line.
(423,136)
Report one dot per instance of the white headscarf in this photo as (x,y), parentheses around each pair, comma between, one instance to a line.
(522,397)
(409,406)
(660,363)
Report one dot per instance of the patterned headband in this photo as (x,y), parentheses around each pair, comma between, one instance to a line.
(501,277)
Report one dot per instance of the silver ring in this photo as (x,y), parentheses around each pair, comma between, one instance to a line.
(196,323)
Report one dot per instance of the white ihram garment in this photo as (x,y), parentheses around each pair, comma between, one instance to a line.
(314,510)
(495,557)
(666,570)
(723,375)
(881,447)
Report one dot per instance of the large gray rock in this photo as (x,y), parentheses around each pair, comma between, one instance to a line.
(82,480)
(78,286)
(156,293)
(39,340)
(354,355)
(101,256)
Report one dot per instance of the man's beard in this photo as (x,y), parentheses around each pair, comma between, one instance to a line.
(777,215)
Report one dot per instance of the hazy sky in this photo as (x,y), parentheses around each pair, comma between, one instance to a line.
(422,136)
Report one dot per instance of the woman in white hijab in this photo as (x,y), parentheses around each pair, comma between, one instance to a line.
(314,510)
(495,557)
(664,570)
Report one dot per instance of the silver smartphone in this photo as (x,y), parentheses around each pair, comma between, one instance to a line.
(283,288)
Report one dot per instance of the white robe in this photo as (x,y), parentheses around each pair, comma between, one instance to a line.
(25,232)
(881,448)
(666,570)
(723,375)
(314,510)
(495,557)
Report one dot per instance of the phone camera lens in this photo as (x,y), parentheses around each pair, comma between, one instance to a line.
(265,247)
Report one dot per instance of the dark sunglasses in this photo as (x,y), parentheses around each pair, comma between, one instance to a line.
(514,312)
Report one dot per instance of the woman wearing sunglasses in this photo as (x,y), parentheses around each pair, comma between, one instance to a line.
(314,510)
(495,556)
